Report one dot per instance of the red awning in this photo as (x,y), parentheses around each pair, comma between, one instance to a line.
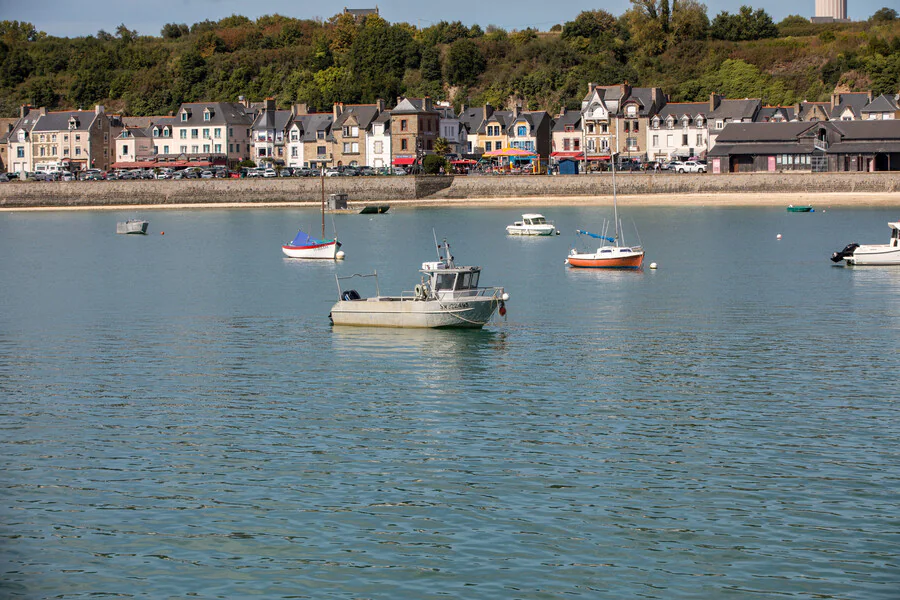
(401,160)
(598,157)
(575,155)
(464,161)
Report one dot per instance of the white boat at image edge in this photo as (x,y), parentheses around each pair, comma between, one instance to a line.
(447,297)
(137,226)
(872,254)
(532,224)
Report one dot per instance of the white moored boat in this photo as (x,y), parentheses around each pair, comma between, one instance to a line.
(872,254)
(532,224)
(448,296)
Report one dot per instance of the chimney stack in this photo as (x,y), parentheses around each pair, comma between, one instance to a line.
(488,111)
(300,109)
(427,104)
(270,104)
(590,87)
(337,109)
(379,104)
(98,109)
(713,101)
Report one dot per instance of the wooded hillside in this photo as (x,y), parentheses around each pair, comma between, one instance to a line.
(678,47)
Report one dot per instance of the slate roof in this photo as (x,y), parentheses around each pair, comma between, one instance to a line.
(133,132)
(500,116)
(312,123)
(223,113)
(762,132)
(888,129)
(59,121)
(854,101)
(679,109)
(570,118)
(767,114)
(161,122)
(472,117)
(644,99)
(276,120)
(411,106)
(736,109)
(384,117)
(882,103)
(365,114)
(533,118)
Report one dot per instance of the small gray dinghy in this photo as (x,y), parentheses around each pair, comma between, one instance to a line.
(132,226)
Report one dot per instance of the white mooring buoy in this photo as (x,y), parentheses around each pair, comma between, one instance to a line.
(652,265)
(340,255)
(778,237)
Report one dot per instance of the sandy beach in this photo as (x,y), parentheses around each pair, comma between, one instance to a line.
(820,201)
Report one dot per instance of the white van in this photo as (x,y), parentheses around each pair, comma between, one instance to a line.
(47,167)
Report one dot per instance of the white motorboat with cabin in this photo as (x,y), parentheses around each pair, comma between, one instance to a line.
(872,254)
(448,296)
(532,224)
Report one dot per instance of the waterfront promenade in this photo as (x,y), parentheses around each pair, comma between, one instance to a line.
(657,189)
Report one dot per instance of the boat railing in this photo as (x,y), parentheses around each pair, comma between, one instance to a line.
(338,280)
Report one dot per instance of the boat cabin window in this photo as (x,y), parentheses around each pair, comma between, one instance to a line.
(466,281)
(444,281)
(895,237)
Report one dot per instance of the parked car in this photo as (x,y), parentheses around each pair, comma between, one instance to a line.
(301,172)
(366,171)
(270,173)
(691,166)
(206,174)
(332,172)
(286,172)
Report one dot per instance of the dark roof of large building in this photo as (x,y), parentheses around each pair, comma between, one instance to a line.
(221,113)
(679,109)
(59,121)
(882,103)
(499,116)
(411,106)
(736,109)
(364,113)
(775,114)
(855,101)
(534,118)
(472,116)
(762,132)
(275,120)
(888,129)
(788,147)
(313,123)
(570,118)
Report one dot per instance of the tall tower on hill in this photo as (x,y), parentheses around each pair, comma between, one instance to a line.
(830,10)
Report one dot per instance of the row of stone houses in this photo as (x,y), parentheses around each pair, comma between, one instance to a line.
(637,123)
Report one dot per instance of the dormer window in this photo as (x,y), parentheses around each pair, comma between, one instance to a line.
(631,110)
(684,122)
(125,133)
(155,132)
(655,122)
(207,114)
(570,128)
(699,121)
(73,123)
(184,116)
(670,123)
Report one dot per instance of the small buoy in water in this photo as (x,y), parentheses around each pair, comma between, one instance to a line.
(340,255)
(778,237)
(162,233)
(652,265)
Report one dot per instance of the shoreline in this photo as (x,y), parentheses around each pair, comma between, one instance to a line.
(699,200)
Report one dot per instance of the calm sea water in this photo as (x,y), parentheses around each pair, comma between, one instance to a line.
(179,419)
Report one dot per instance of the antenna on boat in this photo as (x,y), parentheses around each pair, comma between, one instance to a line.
(437,246)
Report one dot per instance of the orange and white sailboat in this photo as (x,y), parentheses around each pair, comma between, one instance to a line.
(613,254)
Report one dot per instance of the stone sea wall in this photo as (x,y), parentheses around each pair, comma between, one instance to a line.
(381,189)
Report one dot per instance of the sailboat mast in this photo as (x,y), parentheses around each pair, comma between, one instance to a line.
(615,202)
(323,203)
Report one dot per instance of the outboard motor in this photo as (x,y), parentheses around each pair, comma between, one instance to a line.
(847,251)
(350,295)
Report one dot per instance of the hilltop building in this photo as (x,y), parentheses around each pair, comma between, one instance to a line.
(831,11)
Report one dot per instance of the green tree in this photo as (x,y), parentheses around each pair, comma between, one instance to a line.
(441,146)
(465,62)
(431,64)
(432,164)
(884,15)
(747,24)
(172,31)
(590,24)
